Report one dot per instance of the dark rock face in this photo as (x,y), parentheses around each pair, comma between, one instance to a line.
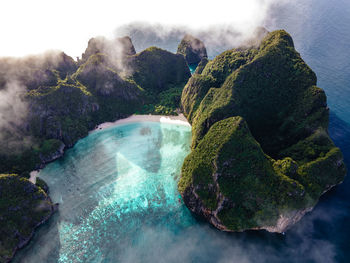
(98,75)
(261,153)
(201,66)
(192,49)
(156,69)
(53,154)
(116,49)
(23,207)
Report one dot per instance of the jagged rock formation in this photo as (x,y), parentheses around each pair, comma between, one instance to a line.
(192,49)
(115,49)
(156,69)
(201,66)
(23,207)
(261,153)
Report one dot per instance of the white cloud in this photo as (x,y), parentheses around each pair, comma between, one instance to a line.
(29,27)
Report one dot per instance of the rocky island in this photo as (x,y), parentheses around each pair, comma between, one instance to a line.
(261,155)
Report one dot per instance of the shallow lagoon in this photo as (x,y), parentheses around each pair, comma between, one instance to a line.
(112,187)
(119,203)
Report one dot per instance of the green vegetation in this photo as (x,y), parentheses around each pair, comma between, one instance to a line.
(67,101)
(157,70)
(281,161)
(63,100)
(229,161)
(201,66)
(165,103)
(23,206)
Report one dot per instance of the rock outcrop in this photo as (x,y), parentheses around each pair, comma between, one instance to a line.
(115,49)
(192,49)
(261,155)
(201,66)
(156,70)
(23,207)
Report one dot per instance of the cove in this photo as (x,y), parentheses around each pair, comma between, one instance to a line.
(117,190)
(113,187)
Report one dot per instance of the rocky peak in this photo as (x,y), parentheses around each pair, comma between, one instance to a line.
(116,48)
(192,49)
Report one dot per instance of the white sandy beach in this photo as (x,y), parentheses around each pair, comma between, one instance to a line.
(179,120)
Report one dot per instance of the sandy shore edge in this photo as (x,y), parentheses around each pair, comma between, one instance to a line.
(179,120)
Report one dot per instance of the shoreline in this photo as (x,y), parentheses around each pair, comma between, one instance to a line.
(179,120)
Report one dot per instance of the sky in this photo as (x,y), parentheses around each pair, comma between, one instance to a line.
(32,27)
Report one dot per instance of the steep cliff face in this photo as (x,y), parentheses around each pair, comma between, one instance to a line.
(201,66)
(115,49)
(23,207)
(60,112)
(117,95)
(192,49)
(157,70)
(293,160)
(62,101)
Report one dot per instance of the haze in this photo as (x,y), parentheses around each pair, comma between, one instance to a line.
(31,27)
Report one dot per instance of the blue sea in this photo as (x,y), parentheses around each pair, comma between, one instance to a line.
(117,187)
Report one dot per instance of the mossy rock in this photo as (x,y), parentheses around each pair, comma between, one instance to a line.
(201,66)
(60,112)
(156,70)
(236,183)
(275,92)
(23,207)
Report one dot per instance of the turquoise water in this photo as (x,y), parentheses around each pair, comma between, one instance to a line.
(192,67)
(112,187)
(320,32)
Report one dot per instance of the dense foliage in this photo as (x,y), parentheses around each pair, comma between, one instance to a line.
(66,99)
(23,206)
(274,91)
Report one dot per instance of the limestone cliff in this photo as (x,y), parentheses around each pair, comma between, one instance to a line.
(23,207)
(192,49)
(261,155)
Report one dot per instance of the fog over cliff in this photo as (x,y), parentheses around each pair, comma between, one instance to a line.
(220,27)
(33,27)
